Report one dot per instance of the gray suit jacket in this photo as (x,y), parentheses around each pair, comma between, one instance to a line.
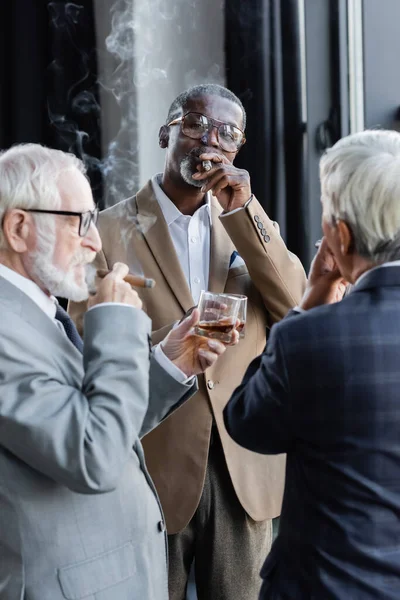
(79,515)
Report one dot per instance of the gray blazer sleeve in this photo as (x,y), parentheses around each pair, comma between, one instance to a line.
(166,395)
(79,433)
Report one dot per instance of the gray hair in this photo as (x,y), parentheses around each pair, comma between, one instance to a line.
(29,177)
(360,184)
(206,89)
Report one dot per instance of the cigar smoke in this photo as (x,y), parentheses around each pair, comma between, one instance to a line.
(140,73)
(176,44)
(90,278)
(72,100)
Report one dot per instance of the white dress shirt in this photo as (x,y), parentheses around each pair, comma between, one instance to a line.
(48,304)
(190,235)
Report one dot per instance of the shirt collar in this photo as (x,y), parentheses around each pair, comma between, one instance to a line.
(393,263)
(48,304)
(170,211)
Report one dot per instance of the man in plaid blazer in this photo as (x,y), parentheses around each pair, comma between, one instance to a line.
(326,392)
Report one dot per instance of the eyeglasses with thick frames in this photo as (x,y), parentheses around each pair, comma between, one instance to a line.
(196,125)
(85,218)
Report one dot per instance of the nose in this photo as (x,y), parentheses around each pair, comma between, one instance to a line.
(92,239)
(211,137)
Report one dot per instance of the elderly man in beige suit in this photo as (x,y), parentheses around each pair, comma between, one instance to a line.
(209,232)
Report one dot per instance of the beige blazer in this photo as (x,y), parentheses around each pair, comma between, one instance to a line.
(273,279)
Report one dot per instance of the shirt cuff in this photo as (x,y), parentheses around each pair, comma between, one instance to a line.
(111,304)
(158,353)
(298,309)
(170,368)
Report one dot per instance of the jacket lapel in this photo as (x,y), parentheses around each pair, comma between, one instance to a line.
(221,249)
(17,301)
(161,246)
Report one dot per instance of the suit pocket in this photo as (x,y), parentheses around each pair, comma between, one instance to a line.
(96,574)
(237,271)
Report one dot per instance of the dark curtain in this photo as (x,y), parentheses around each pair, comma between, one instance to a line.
(263,70)
(48,75)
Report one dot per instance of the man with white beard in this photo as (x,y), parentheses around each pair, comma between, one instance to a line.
(79,515)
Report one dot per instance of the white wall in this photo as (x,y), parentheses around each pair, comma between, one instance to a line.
(174,44)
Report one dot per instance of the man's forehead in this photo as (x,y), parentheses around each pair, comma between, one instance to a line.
(75,192)
(215,107)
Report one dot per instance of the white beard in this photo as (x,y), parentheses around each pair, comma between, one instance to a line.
(52,278)
(187,170)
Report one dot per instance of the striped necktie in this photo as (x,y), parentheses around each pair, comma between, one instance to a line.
(69,327)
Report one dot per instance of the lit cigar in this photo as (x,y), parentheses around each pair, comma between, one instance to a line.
(207,165)
(133,280)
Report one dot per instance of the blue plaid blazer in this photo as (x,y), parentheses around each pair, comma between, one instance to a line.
(327,392)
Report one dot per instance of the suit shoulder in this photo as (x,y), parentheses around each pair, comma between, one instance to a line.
(117,222)
(119,210)
(320,316)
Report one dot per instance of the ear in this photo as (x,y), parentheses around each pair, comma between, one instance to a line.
(163,136)
(17,230)
(346,238)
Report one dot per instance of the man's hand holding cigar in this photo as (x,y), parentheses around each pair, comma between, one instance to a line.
(230,185)
(114,288)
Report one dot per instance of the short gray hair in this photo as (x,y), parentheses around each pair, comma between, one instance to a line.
(29,176)
(206,89)
(360,184)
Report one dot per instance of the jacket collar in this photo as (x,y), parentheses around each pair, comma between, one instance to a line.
(18,302)
(170,211)
(163,249)
(381,276)
(160,243)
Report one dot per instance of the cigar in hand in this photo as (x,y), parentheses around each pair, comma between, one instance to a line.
(133,280)
(207,165)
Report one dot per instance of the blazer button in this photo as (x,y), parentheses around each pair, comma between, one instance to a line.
(266,238)
(263,232)
(256,218)
(260,225)
(210,384)
(161,526)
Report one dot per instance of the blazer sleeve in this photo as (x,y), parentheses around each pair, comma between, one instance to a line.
(78,435)
(166,396)
(277,273)
(258,415)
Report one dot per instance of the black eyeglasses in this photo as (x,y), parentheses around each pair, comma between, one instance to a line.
(195,125)
(85,218)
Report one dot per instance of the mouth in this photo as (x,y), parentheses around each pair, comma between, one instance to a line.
(190,163)
(84,260)
(194,155)
(192,158)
